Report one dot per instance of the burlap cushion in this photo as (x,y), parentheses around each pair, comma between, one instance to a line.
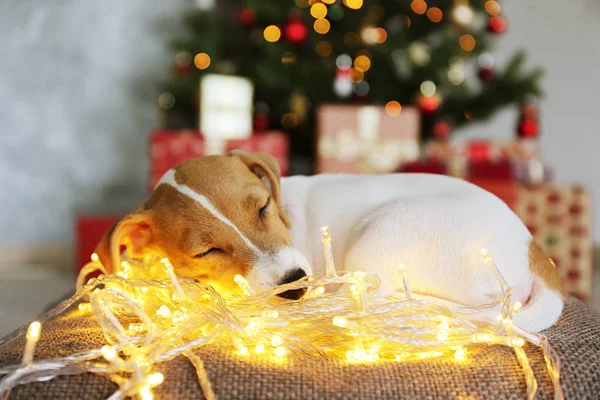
(490,374)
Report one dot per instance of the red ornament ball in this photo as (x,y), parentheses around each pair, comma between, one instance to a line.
(441,129)
(247,17)
(296,32)
(529,129)
(497,24)
(487,73)
(429,104)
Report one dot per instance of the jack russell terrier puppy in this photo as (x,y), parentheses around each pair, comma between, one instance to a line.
(219,216)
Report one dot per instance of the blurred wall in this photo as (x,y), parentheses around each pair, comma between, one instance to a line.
(78,89)
(77,101)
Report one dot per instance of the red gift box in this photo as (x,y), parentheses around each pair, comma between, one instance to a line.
(89,230)
(171,148)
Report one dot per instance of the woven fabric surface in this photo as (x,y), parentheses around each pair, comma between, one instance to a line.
(490,373)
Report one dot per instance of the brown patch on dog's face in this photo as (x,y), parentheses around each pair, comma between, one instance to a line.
(231,223)
(541,265)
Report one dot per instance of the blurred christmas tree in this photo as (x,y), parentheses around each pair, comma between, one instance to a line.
(433,54)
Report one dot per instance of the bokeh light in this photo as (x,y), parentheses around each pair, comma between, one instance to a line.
(428,88)
(329,1)
(378,35)
(289,121)
(183,59)
(272,33)
(467,42)
(435,14)
(492,7)
(302,3)
(353,4)
(362,63)
(418,6)
(351,39)
(202,60)
(393,108)
(323,48)
(356,75)
(362,88)
(343,62)
(318,10)
(321,26)
(166,101)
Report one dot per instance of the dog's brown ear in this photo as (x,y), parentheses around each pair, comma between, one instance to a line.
(266,167)
(134,231)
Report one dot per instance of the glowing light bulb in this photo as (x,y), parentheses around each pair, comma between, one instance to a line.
(342,322)
(109,353)
(244,285)
(254,327)
(319,290)
(164,311)
(94,257)
(155,379)
(516,307)
(462,14)
(243,350)
(271,314)
(280,351)
(84,307)
(517,341)
(276,341)
(34,330)
(145,393)
(459,354)
(260,348)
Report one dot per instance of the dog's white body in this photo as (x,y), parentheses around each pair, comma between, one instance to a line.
(434,225)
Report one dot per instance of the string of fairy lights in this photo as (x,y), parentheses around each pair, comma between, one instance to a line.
(149,316)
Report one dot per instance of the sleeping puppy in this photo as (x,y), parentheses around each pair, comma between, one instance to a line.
(219,216)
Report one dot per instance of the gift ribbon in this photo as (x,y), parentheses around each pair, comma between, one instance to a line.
(366,146)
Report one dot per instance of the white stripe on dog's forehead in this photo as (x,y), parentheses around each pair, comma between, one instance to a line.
(169,179)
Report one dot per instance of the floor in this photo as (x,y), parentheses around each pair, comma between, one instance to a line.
(25,291)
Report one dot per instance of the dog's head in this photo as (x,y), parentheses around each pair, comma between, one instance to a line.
(215,217)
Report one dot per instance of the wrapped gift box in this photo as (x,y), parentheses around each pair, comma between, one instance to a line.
(89,229)
(560,219)
(365,139)
(169,149)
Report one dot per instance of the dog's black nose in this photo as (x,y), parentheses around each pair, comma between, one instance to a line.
(290,277)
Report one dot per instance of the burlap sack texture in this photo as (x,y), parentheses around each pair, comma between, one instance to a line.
(492,373)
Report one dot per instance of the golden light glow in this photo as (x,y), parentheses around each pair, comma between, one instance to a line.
(318,10)
(288,57)
(362,63)
(353,4)
(393,108)
(34,330)
(353,328)
(323,48)
(329,1)
(467,42)
(435,14)
(202,60)
(492,7)
(378,35)
(289,121)
(94,257)
(462,13)
(418,6)
(356,75)
(321,26)
(84,307)
(272,33)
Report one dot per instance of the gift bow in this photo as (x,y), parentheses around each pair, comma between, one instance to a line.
(366,146)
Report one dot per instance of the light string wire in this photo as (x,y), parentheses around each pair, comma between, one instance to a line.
(148,316)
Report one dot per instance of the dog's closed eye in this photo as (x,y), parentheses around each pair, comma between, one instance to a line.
(263,210)
(211,251)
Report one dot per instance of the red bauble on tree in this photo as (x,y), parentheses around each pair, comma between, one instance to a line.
(441,129)
(247,17)
(296,32)
(529,126)
(497,24)
(429,104)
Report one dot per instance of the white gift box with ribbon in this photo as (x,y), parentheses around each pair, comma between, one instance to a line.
(225,107)
(365,144)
